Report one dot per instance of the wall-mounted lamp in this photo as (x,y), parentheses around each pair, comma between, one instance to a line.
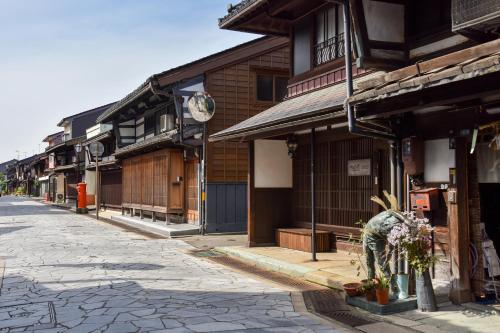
(292,145)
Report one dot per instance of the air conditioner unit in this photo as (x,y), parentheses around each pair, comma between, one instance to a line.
(475,15)
(166,123)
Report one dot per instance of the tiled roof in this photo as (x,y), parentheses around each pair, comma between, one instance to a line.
(157,140)
(461,65)
(188,67)
(99,110)
(234,10)
(325,100)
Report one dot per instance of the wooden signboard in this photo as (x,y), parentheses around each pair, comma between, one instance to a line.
(359,168)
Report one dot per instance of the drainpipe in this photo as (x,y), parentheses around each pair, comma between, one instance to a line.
(353,128)
(313,196)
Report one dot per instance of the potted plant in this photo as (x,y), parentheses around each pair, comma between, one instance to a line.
(352,289)
(382,288)
(415,239)
(368,289)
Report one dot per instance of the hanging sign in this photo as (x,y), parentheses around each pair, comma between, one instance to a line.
(359,168)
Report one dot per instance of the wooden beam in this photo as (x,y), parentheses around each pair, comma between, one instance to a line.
(426,66)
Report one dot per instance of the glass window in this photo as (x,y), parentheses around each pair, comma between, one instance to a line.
(280,90)
(329,35)
(271,88)
(265,88)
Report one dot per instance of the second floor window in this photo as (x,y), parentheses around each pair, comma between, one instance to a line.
(329,35)
(271,88)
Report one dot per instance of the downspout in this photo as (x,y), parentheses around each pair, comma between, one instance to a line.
(351,119)
(396,149)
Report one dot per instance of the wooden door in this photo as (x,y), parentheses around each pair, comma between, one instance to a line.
(175,196)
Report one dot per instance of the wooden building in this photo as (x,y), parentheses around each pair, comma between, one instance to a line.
(109,185)
(160,146)
(430,90)
(66,165)
(348,169)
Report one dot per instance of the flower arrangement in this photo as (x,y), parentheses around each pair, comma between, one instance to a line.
(415,238)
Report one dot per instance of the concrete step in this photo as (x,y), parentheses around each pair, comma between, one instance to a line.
(159,228)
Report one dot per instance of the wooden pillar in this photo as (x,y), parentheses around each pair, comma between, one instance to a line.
(458,213)
(251,194)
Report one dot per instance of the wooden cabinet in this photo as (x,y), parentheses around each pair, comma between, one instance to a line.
(155,182)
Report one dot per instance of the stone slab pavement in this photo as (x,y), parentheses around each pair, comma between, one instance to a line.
(64,272)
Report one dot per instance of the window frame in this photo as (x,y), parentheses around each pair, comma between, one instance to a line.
(274,75)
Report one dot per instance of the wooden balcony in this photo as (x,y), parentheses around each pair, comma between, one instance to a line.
(328,50)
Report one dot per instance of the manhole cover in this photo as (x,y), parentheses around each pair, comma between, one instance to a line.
(28,316)
(329,303)
(348,318)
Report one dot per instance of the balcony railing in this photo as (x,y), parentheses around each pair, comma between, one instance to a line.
(329,50)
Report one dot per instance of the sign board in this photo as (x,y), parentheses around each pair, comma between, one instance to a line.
(96,149)
(359,168)
(201,106)
(52,161)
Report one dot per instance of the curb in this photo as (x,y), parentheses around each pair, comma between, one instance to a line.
(308,274)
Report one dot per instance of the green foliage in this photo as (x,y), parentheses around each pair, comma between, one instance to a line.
(368,285)
(384,282)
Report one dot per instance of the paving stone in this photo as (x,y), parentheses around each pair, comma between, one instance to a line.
(102,279)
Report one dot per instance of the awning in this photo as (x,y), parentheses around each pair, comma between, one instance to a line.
(150,144)
(97,138)
(62,168)
(461,74)
(321,107)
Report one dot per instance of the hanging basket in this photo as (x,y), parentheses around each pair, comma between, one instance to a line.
(426,299)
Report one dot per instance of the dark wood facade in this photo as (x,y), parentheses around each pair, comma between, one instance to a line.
(234,89)
(154,182)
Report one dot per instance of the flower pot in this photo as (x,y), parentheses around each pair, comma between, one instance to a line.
(402,281)
(426,299)
(382,296)
(352,289)
(370,295)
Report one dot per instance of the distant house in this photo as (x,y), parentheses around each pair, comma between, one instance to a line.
(110,171)
(164,153)
(66,165)
(7,170)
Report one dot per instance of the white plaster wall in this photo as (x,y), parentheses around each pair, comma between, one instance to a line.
(439,158)
(384,21)
(272,165)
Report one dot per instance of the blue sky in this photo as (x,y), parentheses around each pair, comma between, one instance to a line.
(61,57)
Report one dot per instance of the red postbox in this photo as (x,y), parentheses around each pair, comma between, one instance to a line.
(82,197)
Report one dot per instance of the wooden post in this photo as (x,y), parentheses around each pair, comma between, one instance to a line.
(460,291)
(251,194)
(313,198)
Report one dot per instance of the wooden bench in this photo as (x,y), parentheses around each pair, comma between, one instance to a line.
(300,239)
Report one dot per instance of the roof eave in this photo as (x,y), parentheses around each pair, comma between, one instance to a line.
(127,100)
(225,22)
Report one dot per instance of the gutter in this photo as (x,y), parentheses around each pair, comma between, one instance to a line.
(351,118)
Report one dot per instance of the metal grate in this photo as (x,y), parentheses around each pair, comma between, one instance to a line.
(318,299)
(329,50)
(473,13)
(329,303)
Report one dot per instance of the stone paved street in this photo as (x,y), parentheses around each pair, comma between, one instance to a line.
(70,273)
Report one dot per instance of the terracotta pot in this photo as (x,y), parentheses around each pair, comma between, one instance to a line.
(370,295)
(382,296)
(352,289)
